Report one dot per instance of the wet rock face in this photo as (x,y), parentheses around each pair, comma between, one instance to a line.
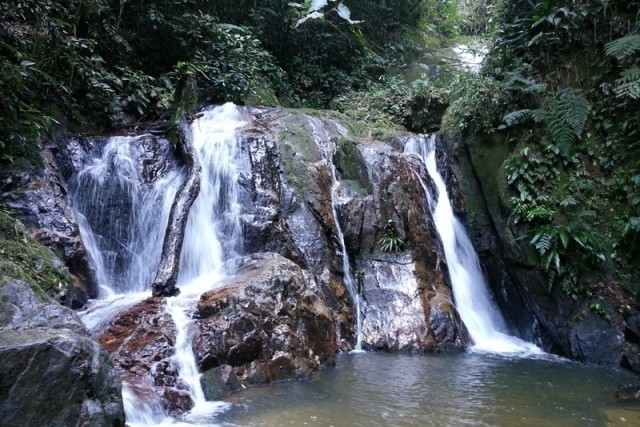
(269,322)
(38,197)
(141,341)
(52,371)
(408,300)
(290,187)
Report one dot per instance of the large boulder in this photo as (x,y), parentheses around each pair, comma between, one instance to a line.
(52,372)
(269,322)
(296,208)
(141,342)
(409,303)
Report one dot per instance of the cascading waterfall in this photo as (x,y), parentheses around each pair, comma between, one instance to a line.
(328,151)
(477,310)
(214,218)
(110,195)
(122,217)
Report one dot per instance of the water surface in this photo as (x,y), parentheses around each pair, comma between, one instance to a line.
(377,389)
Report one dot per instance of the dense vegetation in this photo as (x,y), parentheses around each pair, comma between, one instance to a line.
(97,62)
(561,89)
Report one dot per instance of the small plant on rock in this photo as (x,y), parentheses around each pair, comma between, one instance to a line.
(391,242)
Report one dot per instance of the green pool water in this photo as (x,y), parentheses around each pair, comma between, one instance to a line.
(378,389)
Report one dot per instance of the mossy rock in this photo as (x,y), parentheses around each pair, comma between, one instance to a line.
(25,259)
(352,167)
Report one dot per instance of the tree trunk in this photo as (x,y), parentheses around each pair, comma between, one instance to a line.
(167,274)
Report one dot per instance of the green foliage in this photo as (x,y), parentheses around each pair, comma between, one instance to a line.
(481,103)
(627,48)
(565,250)
(623,47)
(530,174)
(563,78)
(385,102)
(391,242)
(565,117)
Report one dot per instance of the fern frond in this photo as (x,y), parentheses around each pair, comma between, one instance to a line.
(516,116)
(629,83)
(623,47)
(538,115)
(563,135)
(573,108)
(542,241)
(566,116)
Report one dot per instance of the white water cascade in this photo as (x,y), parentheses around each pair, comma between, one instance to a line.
(110,195)
(213,234)
(328,150)
(479,313)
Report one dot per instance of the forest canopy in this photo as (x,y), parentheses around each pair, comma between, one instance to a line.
(93,62)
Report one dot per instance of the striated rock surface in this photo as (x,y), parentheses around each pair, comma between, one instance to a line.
(140,340)
(52,372)
(269,322)
(291,156)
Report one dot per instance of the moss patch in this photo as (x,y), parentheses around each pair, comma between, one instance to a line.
(351,166)
(488,157)
(25,259)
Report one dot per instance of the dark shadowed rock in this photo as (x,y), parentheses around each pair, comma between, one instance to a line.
(52,372)
(558,322)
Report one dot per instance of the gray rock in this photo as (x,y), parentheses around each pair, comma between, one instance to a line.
(38,197)
(52,373)
(21,309)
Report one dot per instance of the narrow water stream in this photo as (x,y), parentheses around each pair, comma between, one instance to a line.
(328,151)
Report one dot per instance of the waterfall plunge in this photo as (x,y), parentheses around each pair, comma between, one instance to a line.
(123,220)
(477,310)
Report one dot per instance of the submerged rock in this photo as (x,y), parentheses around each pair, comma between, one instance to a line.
(52,372)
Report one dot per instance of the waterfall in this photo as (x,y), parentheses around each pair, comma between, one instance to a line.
(328,150)
(122,216)
(477,310)
(123,220)
(213,235)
